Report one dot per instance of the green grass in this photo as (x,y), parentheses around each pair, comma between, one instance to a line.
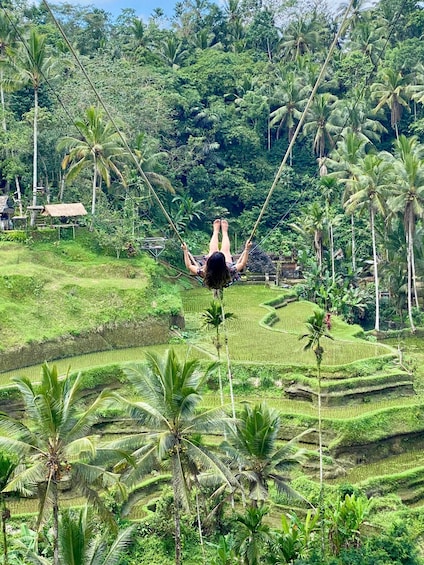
(249,341)
(49,290)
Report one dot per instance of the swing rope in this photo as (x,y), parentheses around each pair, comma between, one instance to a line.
(115,125)
(302,119)
(150,187)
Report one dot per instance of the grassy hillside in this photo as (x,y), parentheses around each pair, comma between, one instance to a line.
(48,290)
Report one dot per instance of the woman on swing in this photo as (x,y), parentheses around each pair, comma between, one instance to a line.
(219,270)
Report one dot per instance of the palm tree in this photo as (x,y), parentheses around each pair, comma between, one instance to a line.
(7,47)
(316,326)
(356,13)
(343,163)
(356,114)
(172,52)
(33,65)
(99,146)
(188,210)
(328,186)
(256,458)
(317,330)
(369,192)
(80,545)
(300,37)
(214,317)
(407,196)
(291,97)
(170,392)
(53,441)
(311,226)
(322,124)
(369,38)
(393,90)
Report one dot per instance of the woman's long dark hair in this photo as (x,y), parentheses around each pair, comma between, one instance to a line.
(217,274)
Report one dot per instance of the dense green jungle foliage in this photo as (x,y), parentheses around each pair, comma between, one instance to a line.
(207,103)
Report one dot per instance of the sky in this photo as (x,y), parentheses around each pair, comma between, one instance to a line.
(144,8)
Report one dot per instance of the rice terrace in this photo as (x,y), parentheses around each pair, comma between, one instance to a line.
(212,283)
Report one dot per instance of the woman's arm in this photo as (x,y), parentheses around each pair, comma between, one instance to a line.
(190,262)
(244,257)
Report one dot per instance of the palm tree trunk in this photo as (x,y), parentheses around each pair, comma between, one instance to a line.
(321,466)
(177,519)
(218,353)
(4,517)
(413,273)
(94,190)
(409,269)
(35,159)
(19,193)
(199,525)
(376,280)
(55,496)
(3,103)
(333,269)
(353,242)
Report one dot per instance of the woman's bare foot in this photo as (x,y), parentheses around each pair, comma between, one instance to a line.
(216,225)
(224,225)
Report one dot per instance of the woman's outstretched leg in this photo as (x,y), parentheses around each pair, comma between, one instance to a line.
(214,242)
(225,244)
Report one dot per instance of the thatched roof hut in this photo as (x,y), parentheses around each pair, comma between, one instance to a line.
(72,210)
(65,213)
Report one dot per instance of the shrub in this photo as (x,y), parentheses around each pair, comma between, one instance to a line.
(102,376)
(15,236)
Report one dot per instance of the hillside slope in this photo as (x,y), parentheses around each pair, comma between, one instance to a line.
(48,290)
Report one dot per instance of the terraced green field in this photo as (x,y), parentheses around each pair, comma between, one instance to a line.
(255,350)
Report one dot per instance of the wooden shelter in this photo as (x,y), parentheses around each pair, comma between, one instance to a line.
(64,215)
(6,212)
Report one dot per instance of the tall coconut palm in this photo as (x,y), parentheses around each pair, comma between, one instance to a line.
(329,187)
(322,123)
(407,197)
(301,36)
(355,14)
(252,446)
(169,392)
(214,318)
(8,43)
(52,440)
(317,330)
(98,146)
(291,96)
(342,164)
(369,192)
(370,38)
(358,118)
(392,89)
(33,65)
(312,225)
